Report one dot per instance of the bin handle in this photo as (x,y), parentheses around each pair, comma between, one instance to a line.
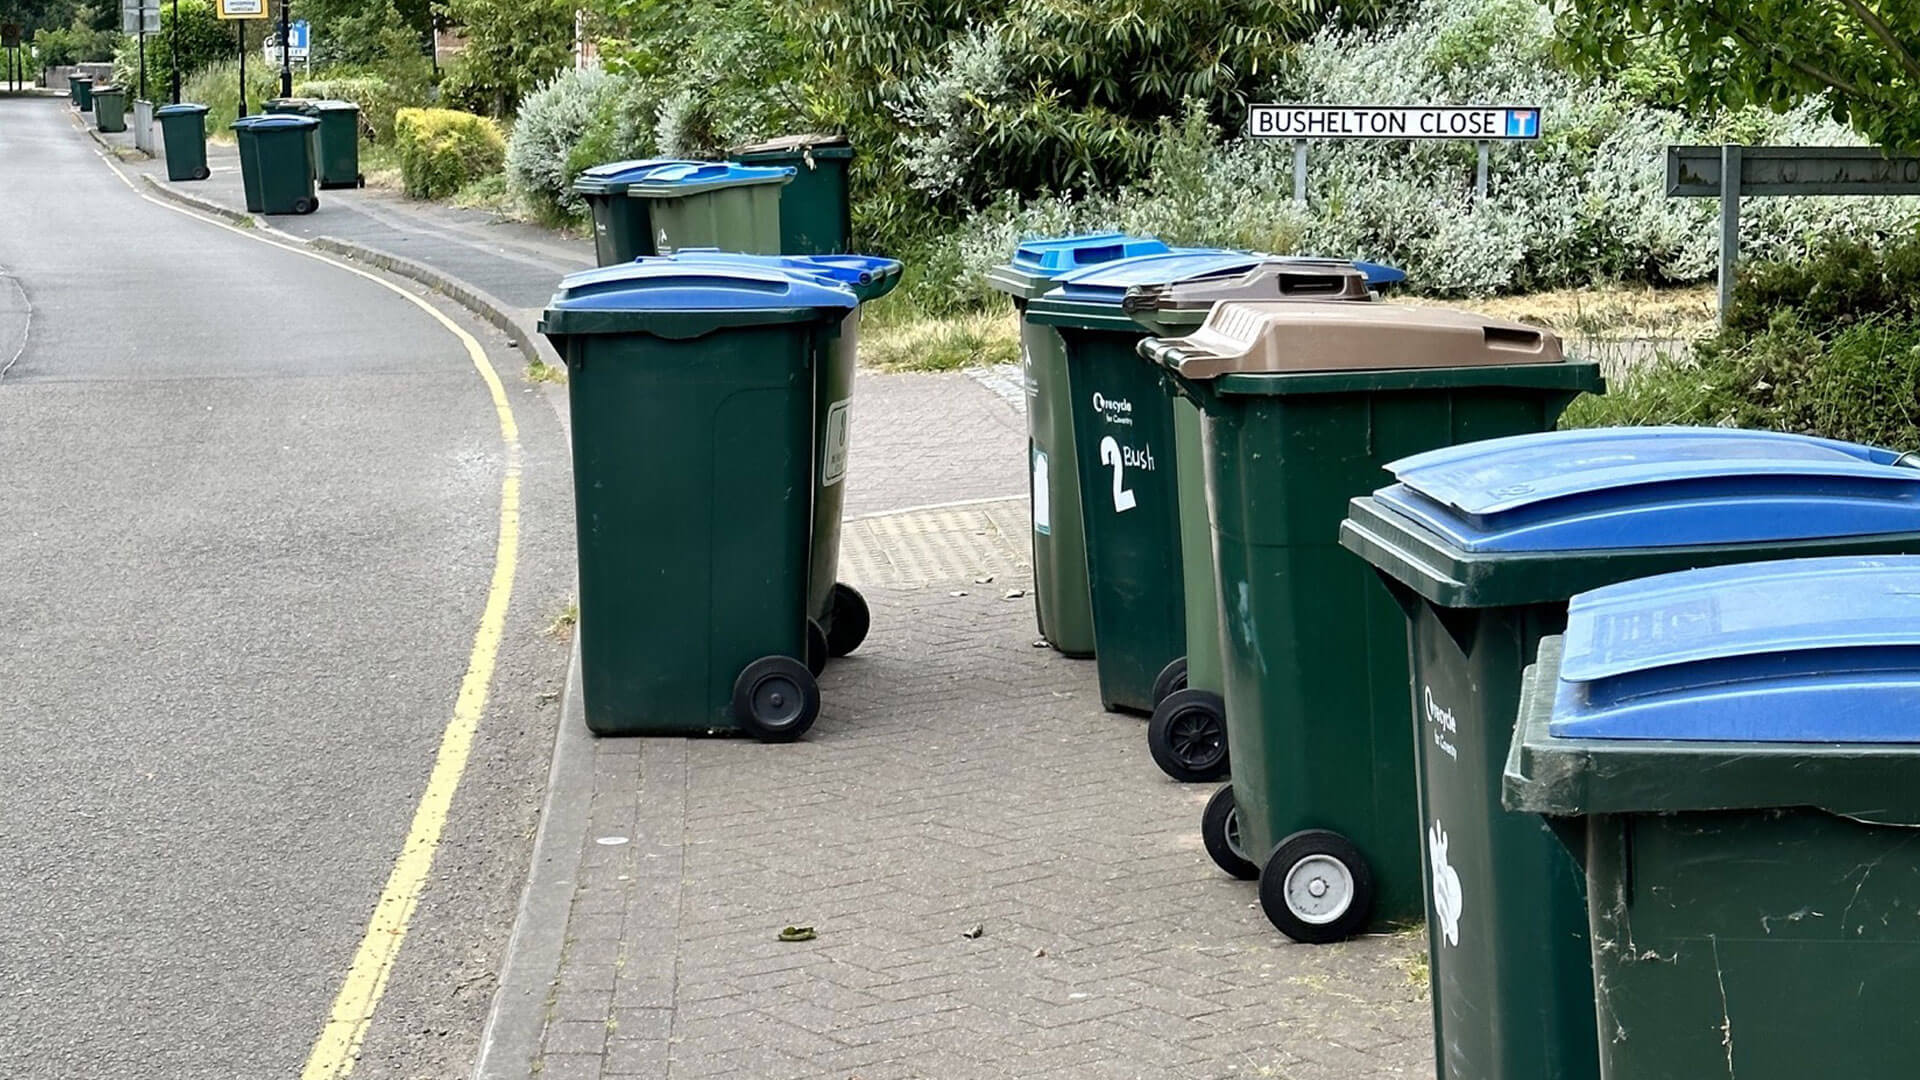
(1513,338)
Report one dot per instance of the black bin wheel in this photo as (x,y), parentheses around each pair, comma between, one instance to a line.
(1316,887)
(848,619)
(1172,679)
(305,205)
(816,648)
(203,173)
(1220,832)
(1188,736)
(776,699)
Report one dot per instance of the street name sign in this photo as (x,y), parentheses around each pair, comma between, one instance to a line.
(1471,122)
(1795,170)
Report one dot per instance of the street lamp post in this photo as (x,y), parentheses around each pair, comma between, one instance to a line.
(286,52)
(173,41)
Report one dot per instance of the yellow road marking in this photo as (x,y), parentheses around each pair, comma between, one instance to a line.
(338,1047)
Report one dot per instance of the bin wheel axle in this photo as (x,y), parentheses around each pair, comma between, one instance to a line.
(1188,736)
(848,619)
(776,699)
(1171,680)
(1220,832)
(1317,887)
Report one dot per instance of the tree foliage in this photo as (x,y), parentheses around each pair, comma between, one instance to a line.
(1864,55)
(512,47)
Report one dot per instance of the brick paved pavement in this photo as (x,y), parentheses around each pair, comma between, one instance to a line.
(959,777)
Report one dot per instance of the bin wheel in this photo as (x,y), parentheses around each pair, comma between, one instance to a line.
(1220,832)
(776,699)
(848,619)
(1317,887)
(1172,679)
(203,173)
(816,648)
(1188,736)
(305,205)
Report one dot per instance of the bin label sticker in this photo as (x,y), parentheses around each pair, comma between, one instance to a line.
(1112,455)
(1440,721)
(1446,886)
(833,444)
(1028,380)
(1042,495)
(1113,410)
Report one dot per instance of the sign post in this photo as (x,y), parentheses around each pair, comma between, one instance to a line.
(239,11)
(1702,171)
(10,41)
(1482,124)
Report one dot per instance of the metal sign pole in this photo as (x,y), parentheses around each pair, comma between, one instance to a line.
(242,28)
(286,53)
(1480,173)
(1729,224)
(173,40)
(1300,172)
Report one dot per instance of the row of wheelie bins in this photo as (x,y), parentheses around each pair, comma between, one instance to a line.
(1325,540)
(287,153)
(710,366)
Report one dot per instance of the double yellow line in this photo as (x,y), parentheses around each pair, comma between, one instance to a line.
(338,1047)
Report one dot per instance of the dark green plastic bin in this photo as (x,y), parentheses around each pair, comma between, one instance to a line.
(1302,406)
(816,216)
(183,129)
(277,150)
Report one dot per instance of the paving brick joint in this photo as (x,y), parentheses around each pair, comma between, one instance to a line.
(1000,882)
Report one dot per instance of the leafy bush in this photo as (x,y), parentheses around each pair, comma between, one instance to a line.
(512,47)
(379,99)
(217,86)
(1842,281)
(203,40)
(79,43)
(578,119)
(442,151)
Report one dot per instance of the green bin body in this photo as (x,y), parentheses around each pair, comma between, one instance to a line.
(622,227)
(816,216)
(1512,990)
(82,87)
(110,109)
(1303,404)
(713,205)
(1063,608)
(1750,886)
(336,143)
(183,129)
(278,150)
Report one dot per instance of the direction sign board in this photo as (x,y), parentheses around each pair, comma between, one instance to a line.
(241,9)
(139,16)
(9,35)
(1472,122)
(1795,170)
(298,36)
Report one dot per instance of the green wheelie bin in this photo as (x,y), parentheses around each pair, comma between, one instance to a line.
(1302,405)
(110,109)
(1730,755)
(1187,734)
(838,618)
(622,227)
(183,129)
(278,151)
(336,143)
(816,214)
(286,106)
(1483,545)
(713,204)
(82,87)
(1124,451)
(692,388)
(1061,602)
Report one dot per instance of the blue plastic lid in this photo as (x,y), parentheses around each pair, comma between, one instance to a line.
(671,283)
(844,269)
(1062,254)
(280,121)
(179,109)
(691,173)
(1611,488)
(1107,283)
(630,172)
(1803,650)
(1379,275)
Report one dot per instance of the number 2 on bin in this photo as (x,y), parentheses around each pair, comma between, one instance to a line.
(1110,455)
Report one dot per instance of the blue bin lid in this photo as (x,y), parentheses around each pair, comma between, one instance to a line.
(1108,282)
(630,171)
(1379,275)
(843,269)
(278,122)
(671,283)
(181,109)
(691,174)
(1614,488)
(1802,650)
(1061,254)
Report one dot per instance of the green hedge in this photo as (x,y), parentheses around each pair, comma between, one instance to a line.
(379,101)
(442,151)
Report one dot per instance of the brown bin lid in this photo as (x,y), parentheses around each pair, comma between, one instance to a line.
(1281,279)
(811,141)
(1259,337)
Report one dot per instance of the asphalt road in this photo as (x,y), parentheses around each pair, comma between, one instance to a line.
(249,507)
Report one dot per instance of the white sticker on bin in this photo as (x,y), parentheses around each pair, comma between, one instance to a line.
(833,444)
(1042,495)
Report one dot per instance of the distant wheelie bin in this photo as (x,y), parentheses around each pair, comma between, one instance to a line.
(1483,544)
(1730,755)
(183,128)
(276,163)
(837,612)
(622,227)
(816,213)
(1303,404)
(110,109)
(336,143)
(1061,603)
(82,89)
(692,385)
(713,204)
(1187,734)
